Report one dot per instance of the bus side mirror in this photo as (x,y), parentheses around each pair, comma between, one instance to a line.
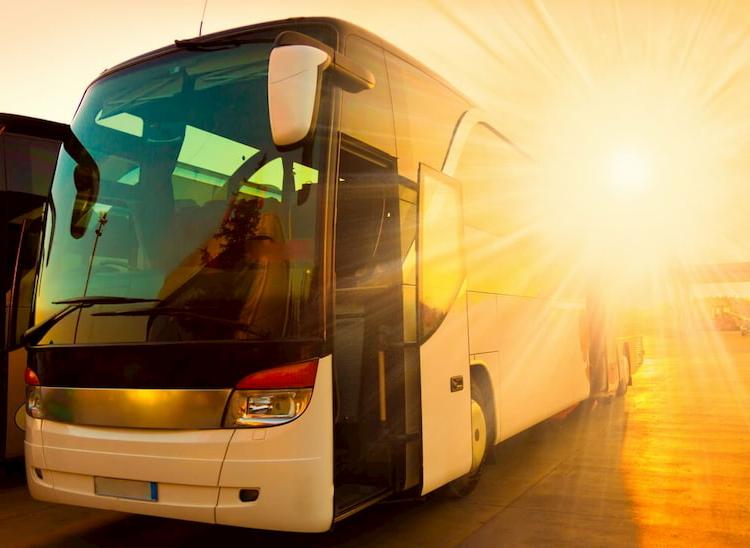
(294,75)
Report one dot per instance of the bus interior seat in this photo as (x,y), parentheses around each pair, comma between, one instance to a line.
(269,291)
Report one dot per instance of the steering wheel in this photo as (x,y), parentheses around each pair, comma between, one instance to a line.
(114,266)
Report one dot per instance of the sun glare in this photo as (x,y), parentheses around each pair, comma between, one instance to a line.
(639,153)
(628,170)
(633,173)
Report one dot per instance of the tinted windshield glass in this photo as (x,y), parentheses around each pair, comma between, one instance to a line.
(176,192)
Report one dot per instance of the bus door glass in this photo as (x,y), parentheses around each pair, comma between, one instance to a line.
(368,327)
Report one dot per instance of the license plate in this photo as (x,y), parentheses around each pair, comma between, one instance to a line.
(126,489)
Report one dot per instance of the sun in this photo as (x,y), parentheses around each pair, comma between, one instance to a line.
(628,170)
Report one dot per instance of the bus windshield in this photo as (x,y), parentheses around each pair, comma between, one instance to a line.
(171,196)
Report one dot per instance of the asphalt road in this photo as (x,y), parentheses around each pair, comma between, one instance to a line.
(665,465)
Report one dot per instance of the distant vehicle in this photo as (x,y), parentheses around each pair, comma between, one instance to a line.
(279,286)
(28,153)
(616,344)
(725,319)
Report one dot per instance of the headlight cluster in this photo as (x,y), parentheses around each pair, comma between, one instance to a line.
(34,402)
(272,396)
(266,407)
(33,394)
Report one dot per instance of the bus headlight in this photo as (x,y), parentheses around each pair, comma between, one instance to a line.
(271,396)
(34,402)
(254,408)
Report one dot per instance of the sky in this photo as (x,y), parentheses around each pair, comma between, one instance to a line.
(52,49)
(634,110)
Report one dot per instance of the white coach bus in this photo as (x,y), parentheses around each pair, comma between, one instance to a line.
(285,275)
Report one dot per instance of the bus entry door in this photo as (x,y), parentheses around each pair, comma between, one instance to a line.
(368,338)
(443,332)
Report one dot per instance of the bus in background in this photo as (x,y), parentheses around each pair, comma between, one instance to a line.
(615,331)
(28,153)
(287,273)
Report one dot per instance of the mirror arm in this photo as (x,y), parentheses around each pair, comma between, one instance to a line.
(355,77)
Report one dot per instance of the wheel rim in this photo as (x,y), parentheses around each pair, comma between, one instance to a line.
(478,435)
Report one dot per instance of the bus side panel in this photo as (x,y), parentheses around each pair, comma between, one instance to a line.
(291,466)
(446,415)
(531,348)
(543,369)
(16,397)
(483,346)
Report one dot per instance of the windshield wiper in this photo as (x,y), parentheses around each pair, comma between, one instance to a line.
(176,311)
(105,299)
(35,333)
(208,44)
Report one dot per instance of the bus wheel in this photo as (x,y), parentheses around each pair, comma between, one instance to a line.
(622,386)
(479,445)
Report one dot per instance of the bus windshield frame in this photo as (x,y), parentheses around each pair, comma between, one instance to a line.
(170,193)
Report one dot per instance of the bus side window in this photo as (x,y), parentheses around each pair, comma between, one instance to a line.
(27,254)
(30,163)
(499,209)
(426,113)
(367,115)
(29,166)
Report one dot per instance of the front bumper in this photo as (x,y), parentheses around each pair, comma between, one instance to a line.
(199,472)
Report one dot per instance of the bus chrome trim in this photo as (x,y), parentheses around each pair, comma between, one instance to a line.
(177,409)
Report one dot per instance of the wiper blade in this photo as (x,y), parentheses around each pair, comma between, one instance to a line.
(35,333)
(196,45)
(176,311)
(105,299)
(208,44)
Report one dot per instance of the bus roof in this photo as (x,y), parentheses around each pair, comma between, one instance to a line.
(343,28)
(34,127)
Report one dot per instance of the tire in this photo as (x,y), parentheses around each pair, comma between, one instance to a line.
(464,485)
(622,386)
(598,374)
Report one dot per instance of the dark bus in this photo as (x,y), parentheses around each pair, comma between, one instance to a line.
(28,154)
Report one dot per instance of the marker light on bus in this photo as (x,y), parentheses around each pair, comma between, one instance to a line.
(272,396)
(30,377)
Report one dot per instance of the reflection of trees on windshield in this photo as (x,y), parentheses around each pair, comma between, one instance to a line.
(240,226)
(243,278)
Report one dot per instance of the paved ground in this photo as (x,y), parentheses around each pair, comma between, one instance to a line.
(666,465)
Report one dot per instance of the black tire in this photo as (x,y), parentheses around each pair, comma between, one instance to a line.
(464,485)
(622,386)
